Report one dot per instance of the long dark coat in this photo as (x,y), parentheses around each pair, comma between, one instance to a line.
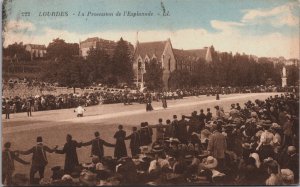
(71,159)
(145,136)
(135,143)
(182,131)
(120,149)
(164,102)
(97,146)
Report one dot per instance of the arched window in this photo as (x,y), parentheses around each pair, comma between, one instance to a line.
(139,64)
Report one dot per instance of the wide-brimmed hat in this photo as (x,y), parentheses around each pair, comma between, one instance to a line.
(144,149)
(287,175)
(157,149)
(45,181)
(246,146)
(257,160)
(275,126)
(210,162)
(88,178)
(173,140)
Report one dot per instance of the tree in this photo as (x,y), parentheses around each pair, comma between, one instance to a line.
(153,75)
(16,51)
(180,79)
(99,65)
(59,49)
(122,63)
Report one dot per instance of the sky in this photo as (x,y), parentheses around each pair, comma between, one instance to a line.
(265,28)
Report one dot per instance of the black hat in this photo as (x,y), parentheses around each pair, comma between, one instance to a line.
(39,139)
(175,116)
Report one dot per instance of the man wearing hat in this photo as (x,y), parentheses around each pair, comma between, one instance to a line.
(170,130)
(39,158)
(97,145)
(217,145)
(208,115)
(135,142)
(175,126)
(8,165)
(182,130)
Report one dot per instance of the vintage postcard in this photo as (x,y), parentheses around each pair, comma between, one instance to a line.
(160,92)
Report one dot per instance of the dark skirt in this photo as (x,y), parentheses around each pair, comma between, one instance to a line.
(149,107)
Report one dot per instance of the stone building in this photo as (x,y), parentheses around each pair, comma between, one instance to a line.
(162,51)
(170,59)
(36,51)
(107,45)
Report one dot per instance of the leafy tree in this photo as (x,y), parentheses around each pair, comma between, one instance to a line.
(16,51)
(59,49)
(153,75)
(180,79)
(122,63)
(98,65)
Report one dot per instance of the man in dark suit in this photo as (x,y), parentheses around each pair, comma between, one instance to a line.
(135,142)
(208,115)
(8,165)
(97,145)
(182,130)
(71,160)
(39,158)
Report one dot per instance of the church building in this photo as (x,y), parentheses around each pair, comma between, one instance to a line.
(170,59)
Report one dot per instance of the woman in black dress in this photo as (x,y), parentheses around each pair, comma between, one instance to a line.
(148,104)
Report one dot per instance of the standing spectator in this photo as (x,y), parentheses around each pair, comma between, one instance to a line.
(135,142)
(292,162)
(7,110)
(202,117)
(97,145)
(170,130)
(120,148)
(182,130)
(39,158)
(208,115)
(8,165)
(274,172)
(159,130)
(71,160)
(28,108)
(174,125)
(145,135)
(217,145)
(164,101)
(287,132)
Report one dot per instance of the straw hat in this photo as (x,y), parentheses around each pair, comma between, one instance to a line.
(210,162)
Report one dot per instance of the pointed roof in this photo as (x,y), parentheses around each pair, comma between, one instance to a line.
(150,48)
(193,54)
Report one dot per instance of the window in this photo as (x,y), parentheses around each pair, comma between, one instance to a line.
(169,64)
(139,64)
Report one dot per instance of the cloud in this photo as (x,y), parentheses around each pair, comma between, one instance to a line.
(268,45)
(19,25)
(277,16)
(226,26)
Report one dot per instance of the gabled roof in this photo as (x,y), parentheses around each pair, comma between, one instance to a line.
(150,49)
(37,46)
(190,55)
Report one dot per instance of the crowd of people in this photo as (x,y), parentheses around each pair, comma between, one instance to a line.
(252,144)
(108,96)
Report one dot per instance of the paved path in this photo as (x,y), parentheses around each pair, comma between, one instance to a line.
(64,117)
